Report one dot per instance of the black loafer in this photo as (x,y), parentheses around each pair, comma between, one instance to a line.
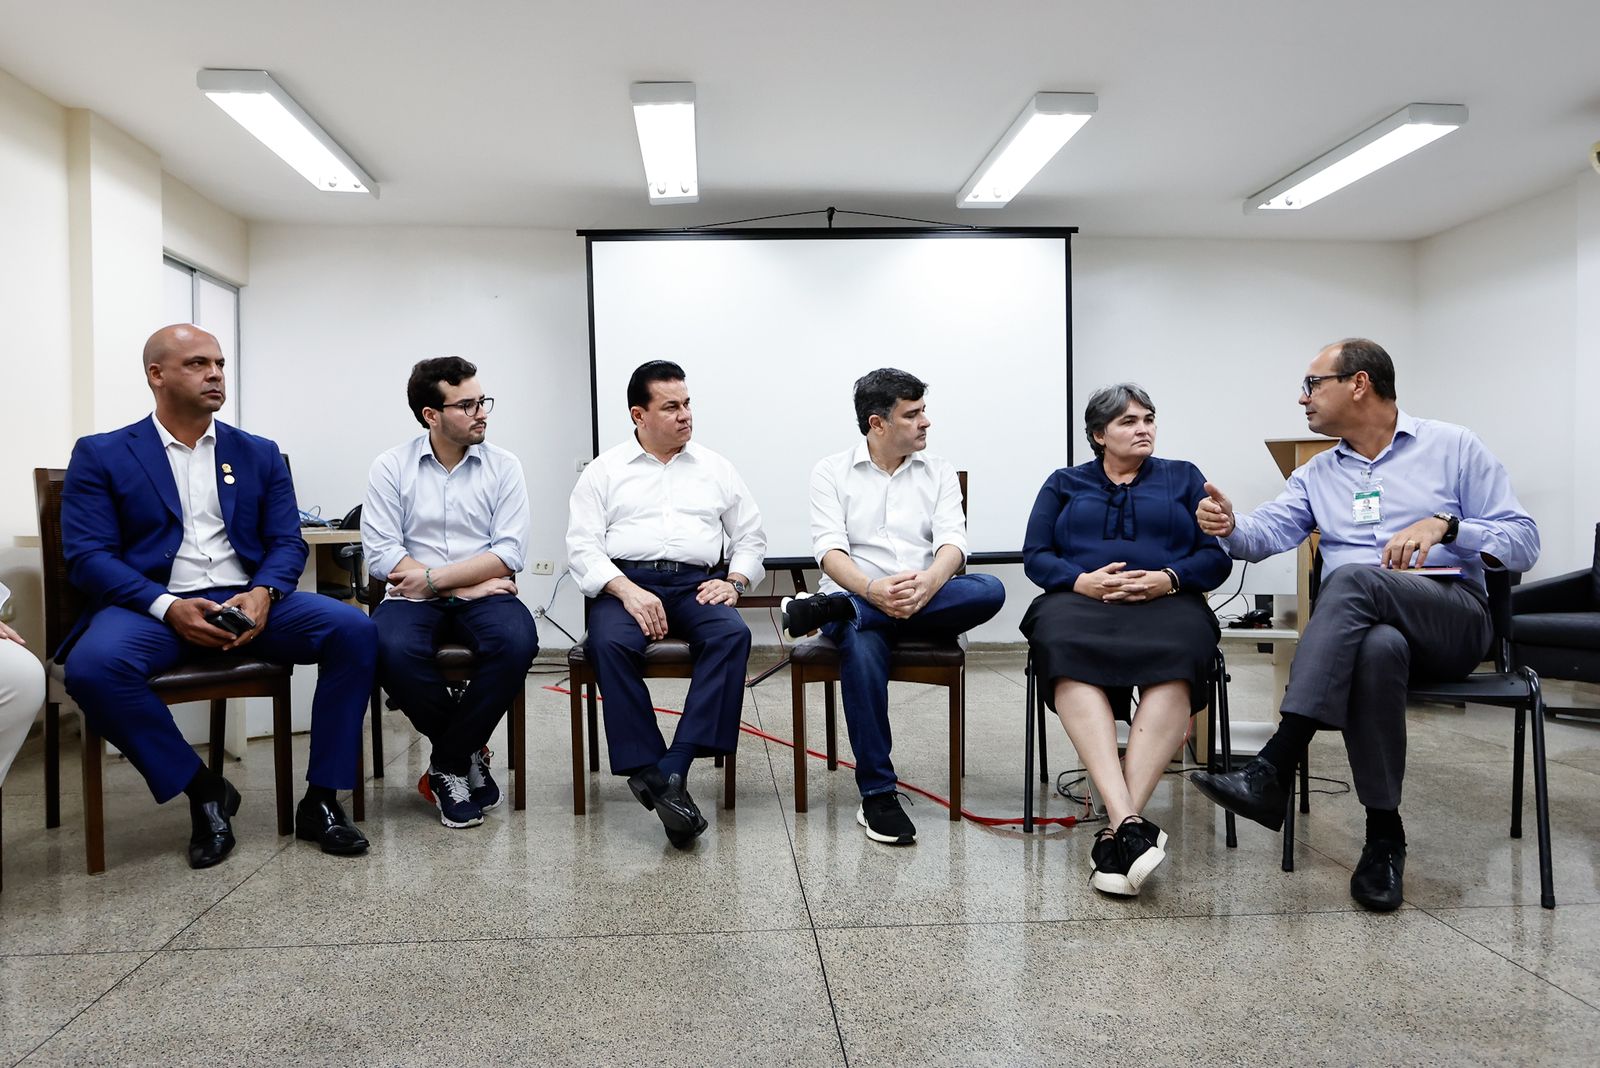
(1252,792)
(325,823)
(212,837)
(1378,878)
(667,797)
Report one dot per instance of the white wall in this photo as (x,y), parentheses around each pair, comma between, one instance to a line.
(202,234)
(334,318)
(1499,318)
(1220,332)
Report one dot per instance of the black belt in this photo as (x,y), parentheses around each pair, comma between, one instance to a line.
(659,565)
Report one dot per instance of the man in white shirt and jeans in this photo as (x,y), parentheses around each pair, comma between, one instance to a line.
(445,523)
(888,529)
(645,533)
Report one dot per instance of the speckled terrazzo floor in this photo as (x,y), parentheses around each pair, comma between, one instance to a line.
(545,938)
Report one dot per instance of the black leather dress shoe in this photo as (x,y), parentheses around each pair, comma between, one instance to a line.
(670,800)
(1252,792)
(1377,882)
(325,823)
(212,837)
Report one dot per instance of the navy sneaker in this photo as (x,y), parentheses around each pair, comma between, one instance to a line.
(453,797)
(485,791)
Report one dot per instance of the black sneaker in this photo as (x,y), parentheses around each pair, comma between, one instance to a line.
(485,791)
(453,797)
(1108,868)
(885,821)
(804,612)
(1143,848)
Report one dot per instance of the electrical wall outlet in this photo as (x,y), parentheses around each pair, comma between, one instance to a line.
(544,567)
(582,463)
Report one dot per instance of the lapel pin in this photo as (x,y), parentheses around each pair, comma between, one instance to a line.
(227,469)
(228,479)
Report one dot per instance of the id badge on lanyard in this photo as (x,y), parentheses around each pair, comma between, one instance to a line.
(1366,505)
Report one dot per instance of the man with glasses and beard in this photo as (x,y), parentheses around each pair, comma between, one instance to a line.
(445,524)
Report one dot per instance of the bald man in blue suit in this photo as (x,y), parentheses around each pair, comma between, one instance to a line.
(164,522)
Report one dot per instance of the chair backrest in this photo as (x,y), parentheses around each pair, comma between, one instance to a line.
(63,604)
(1498,583)
(1594,572)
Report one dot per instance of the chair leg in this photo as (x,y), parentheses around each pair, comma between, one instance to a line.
(797,684)
(957,755)
(1305,783)
(94,809)
(517,742)
(1518,743)
(219,727)
(1225,729)
(1288,828)
(377,733)
(52,765)
(579,779)
(831,726)
(730,770)
(1042,713)
(594,725)
(283,757)
(1027,747)
(358,794)
(963,720)
(1541,797)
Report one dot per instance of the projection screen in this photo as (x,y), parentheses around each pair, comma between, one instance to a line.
(773,327)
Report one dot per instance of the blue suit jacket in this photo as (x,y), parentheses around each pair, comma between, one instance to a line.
(122,523)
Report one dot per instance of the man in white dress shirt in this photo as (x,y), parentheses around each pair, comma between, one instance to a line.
(645,533)
(888,529)
(445,523)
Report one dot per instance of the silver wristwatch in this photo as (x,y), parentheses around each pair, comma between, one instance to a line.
(738,586)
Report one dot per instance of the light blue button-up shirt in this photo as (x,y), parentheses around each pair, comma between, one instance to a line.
(415,508)
(1429,467)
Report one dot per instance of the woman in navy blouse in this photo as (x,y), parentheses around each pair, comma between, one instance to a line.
(1114,545)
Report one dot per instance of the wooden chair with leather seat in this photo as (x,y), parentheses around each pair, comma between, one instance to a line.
(669,658)
(935,662)
(214,679)
(457,664)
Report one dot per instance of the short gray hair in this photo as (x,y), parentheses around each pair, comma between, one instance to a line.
(1108,403)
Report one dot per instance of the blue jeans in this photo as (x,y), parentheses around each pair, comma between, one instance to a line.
(501,634)
(864,646)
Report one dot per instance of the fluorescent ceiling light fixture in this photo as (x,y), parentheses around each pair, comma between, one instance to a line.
(1047,123)
(1377,146)
(664,115)
(258,103)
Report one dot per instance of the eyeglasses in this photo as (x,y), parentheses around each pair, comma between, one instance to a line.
(472,407)
(1309,383)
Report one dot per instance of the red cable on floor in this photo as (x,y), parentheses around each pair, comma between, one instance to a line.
(984,821)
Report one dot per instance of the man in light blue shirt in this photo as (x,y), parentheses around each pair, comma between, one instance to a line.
(1395,495)
(445,524)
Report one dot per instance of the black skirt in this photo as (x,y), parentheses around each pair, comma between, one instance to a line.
(1120,646)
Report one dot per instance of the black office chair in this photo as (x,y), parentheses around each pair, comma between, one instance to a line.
(1217,717)
(1555,628)
(1507,686)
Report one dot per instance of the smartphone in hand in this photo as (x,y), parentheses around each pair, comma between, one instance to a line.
(231,619)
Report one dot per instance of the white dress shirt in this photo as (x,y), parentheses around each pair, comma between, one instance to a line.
(415,508)
(888,523)
(628,505)
(205,557)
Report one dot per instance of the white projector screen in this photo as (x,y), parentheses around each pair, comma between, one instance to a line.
(773,329)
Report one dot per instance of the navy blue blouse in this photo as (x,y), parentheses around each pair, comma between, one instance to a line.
(1082,521)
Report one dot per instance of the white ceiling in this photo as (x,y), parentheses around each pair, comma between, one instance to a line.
(510,112)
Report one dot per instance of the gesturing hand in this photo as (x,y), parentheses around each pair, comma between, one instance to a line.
(1100,584)
(1414,541)
(1215,513)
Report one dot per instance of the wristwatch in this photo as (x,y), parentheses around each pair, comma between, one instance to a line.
(738,586)
(1453,524)
(274,595)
